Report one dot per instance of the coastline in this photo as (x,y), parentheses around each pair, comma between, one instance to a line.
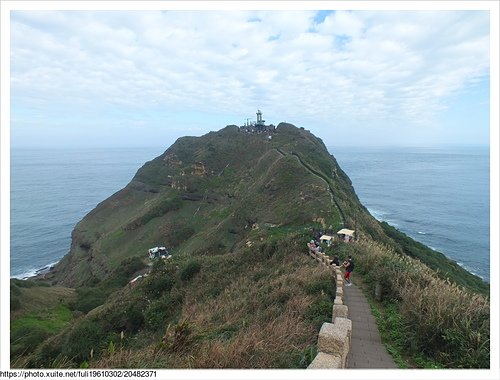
(39,274)
(436,196)
(418,237)
(35,273)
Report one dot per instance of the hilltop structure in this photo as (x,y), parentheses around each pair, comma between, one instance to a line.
(258,126)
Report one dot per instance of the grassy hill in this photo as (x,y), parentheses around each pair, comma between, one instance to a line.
(202,195)
(235,211)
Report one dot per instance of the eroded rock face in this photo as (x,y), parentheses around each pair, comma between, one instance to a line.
(199,169)
(172,160)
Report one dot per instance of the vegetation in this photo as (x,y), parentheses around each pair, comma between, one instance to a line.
(40,312)
(433,322)
(191,269)
(446,268)
(234,210)
(253,308)
(89,297)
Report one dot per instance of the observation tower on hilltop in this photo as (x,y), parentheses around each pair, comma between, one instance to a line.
(259,118)
(258,126)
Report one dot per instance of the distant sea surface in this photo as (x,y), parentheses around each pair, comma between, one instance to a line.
(439,197)
(52,190)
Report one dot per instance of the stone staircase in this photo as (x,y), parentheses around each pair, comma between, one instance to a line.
(334,339)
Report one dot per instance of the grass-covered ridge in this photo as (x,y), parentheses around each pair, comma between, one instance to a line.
(235,211)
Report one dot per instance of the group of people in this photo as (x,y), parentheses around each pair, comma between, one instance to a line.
(315,246)
(348,264)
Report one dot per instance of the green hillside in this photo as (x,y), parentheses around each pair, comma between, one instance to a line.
(202,195)
(235,211)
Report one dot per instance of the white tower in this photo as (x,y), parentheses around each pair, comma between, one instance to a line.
(259,118)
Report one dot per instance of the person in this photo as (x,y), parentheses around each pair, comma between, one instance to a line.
(336,261)
(349,267)
(316,247)
(311,245)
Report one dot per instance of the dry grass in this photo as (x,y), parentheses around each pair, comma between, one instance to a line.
(441,320)
(260,319)
(39,298)
(254,346)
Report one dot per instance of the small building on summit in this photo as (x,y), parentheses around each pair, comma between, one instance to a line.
(258,126)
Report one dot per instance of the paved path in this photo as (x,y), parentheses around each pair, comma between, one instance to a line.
(314,173)
(332,194)
(367,350)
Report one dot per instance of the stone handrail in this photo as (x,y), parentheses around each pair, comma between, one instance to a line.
(334,339)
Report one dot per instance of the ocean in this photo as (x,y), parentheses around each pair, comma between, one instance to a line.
(52,190)
(438,196)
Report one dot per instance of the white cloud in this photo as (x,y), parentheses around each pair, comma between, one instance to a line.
(342,23)
(352,67)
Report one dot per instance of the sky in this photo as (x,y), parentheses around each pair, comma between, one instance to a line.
(145,78)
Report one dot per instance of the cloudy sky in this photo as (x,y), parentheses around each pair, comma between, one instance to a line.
(144,78)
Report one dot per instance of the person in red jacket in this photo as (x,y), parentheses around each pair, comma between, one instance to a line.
(349,267)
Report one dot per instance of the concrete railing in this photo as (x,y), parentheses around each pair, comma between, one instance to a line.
(334,339)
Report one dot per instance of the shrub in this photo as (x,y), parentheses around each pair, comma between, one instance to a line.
(268,249)
(15,304)
(45,356)
(320,311)
(156,315)
(121,275)
(26,339)
(124,315)
(131,265)
(178,337)
(162,310)
(85,337)
(157,284)
(190,270)
(88,299)
(135,318)
(325,284)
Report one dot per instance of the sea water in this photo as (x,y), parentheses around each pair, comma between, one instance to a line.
(438,196)
(52,190)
